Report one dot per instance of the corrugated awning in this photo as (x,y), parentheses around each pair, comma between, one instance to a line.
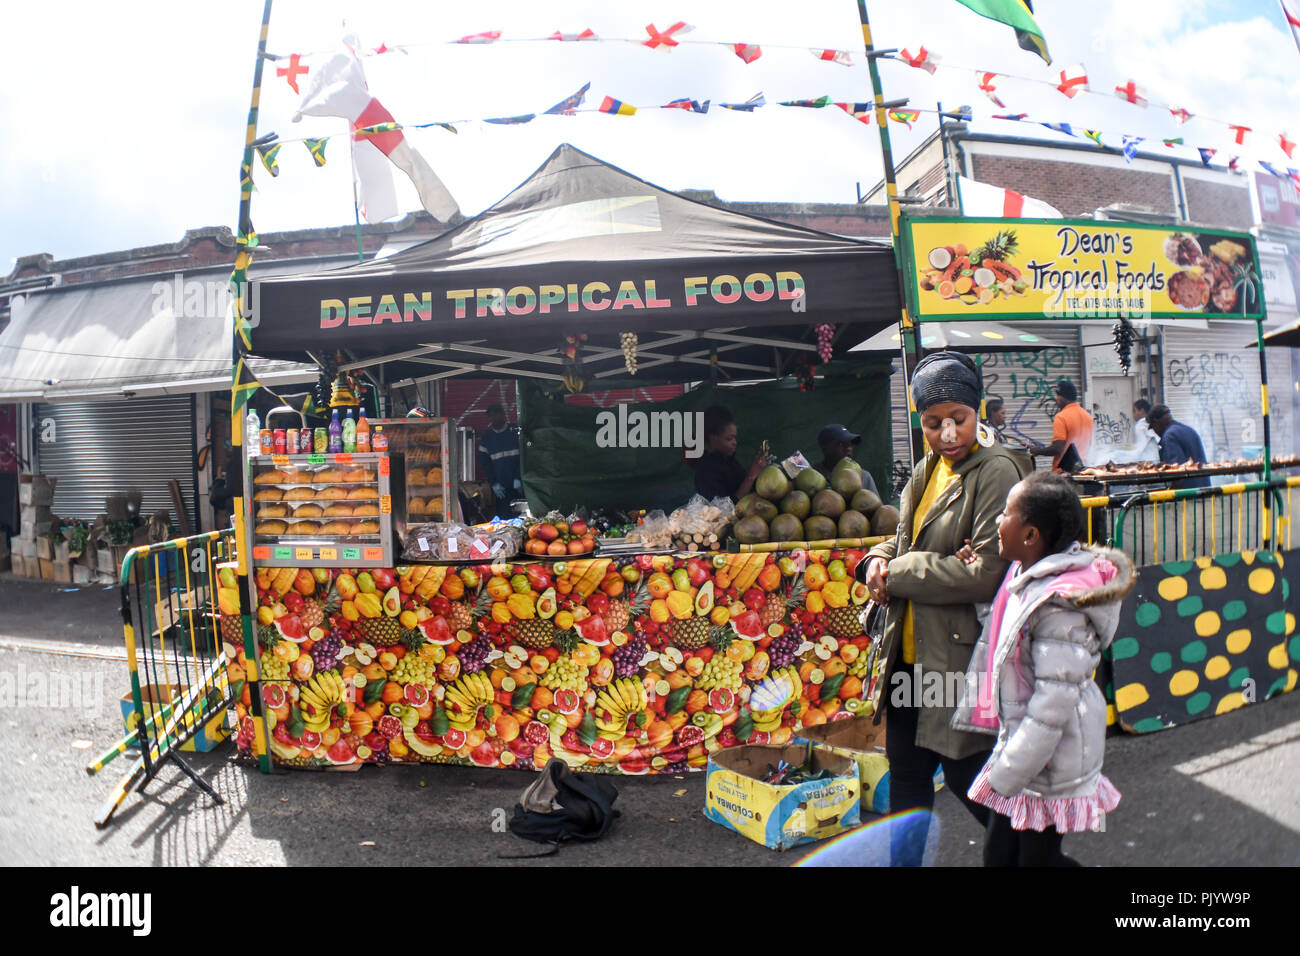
(165,335)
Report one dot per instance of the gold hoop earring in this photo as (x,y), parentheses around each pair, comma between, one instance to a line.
(985,435)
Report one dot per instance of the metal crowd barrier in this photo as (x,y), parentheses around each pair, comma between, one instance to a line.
(179,684)
(1180,524)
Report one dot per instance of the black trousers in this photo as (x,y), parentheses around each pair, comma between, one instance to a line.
(911,782)
(1004,846)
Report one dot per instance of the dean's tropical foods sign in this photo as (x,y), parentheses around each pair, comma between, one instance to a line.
(1014,268)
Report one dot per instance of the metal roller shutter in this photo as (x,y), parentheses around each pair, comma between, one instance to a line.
(102,448)
(1211,382)
(1023,379)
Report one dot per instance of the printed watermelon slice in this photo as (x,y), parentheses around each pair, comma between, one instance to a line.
(290,628)
(592,630)
(436,630)
(748,626)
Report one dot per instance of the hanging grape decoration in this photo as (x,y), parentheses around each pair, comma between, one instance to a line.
(629,343)
(1122,334)
(825,335)
(805,373)
(329,367)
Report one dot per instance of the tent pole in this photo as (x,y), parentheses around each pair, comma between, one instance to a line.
(1268,451)
(911,339)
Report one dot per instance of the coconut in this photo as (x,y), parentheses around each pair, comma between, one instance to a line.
(940,257)
(866,501)
(752,504)
(819,528)
(847,481)
(786,527)
(810,481)
(796,503)
(772,483)
(828,502)
(853,524)
(885,520)
(751,530)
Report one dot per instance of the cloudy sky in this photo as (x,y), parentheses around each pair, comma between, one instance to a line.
(123,123)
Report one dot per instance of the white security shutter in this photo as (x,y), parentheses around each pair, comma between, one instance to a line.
(102,448)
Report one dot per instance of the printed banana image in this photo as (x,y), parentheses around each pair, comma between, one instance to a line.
(772,695)
(619,701)
(318,699)
(470,694)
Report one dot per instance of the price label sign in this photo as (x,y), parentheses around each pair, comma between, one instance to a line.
(315,459)
(385,504)
(374,554)
(284,554)
(280,461)
(351,554)
(329,554)
(303,554)
(261,554)
(384,466)
(343,459)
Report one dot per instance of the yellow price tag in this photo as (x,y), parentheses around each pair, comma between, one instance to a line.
(329,554)
(280,461)
(386,504)
(303,554)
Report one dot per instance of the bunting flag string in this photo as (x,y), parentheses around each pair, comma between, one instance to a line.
(1074,80)
(268,154)
(922,60)
(833,56)
(749,52)
(1130,92)
(990,89)
(751,104)
(906,117)
(862,112)
(569,105)
(317,149)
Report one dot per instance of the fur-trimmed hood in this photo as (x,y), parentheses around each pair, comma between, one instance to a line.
(1082,577)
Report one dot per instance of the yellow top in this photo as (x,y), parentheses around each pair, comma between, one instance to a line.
(940,478)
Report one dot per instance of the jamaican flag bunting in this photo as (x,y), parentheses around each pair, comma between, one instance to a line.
(1017,14)
(268,154)
(317,149)
(242,387)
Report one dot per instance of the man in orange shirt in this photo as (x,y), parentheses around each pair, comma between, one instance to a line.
(1071,426)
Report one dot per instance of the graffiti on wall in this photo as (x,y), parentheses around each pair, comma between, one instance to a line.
(1224,398)
(1025,380)
(1111,430)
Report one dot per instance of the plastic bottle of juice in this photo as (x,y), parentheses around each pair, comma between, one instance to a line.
(336,434)
(363,432)
(349,433)
(380,442)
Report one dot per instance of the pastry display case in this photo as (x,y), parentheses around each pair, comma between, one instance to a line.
(428,447)
(309,510)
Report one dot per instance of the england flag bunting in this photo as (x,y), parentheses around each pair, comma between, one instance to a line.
(924,60)
(1074,80)
(1291,10)
(990,89)
(1130,92)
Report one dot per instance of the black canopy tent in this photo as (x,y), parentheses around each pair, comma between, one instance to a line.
(584,247)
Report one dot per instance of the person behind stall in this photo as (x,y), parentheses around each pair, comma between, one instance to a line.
(498,450)
(1071,426)
(717,472)
(1142,432)
(931,624)
(1178,443)
(995,416)
(838,443)
(1030,678)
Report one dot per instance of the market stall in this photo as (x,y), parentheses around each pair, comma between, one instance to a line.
(384,632)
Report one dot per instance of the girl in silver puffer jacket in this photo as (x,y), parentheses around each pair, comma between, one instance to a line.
(1030,678)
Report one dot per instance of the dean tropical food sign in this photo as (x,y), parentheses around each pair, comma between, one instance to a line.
(1013,268)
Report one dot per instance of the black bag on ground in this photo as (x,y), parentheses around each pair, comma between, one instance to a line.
(560,806)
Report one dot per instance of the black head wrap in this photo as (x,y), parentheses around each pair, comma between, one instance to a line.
(945,377)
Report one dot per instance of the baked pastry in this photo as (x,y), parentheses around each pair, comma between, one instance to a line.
(268,494)
(338,511)
(308,511)
(273,511)
(302,477)
(336,528)
(303,527)
(328,474)
(434,476)
(365,511)
(270,527)
(330,494)
(416,476)
(362,494)
(415,506)
(359,474)
(299,494)
(435,506)
(365,527)
(272,477)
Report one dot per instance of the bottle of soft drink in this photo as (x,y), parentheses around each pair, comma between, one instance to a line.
(349,433)
(252,432)
(336,434)
(363,432)
(380,442)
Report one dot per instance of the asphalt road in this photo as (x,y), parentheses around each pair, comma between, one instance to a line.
(1219,792)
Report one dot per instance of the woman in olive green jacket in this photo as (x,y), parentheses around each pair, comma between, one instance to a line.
(931,622)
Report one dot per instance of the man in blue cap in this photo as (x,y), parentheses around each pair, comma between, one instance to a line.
(838,443)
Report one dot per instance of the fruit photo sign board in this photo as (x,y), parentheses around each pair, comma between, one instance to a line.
(640,664)
(566,463)
(1204,637)
(970,268)
(581,246)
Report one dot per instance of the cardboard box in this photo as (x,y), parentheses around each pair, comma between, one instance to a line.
(25,547)
(45,549)
(82,574)
(61,551)
(47,569)
(153,696)
(780,817)
(36,490)
(864,743)
(62,571)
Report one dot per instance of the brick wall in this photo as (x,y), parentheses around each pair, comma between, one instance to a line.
(1076,189)
(1217,204)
